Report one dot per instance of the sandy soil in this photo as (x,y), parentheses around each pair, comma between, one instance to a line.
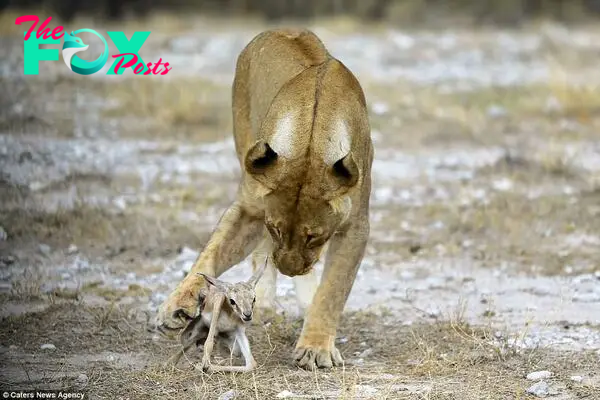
(483,263)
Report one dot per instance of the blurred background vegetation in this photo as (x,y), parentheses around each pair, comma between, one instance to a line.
(504,12)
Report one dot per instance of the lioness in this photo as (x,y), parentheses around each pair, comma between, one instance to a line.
(302,137)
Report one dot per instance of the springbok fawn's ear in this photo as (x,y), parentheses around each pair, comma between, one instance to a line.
(258,274)
(212,281)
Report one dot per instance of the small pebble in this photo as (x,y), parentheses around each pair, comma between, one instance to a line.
(496,111)
(35,186)
(229,395)
(3,234)
(82,380)
(72,249)
(539,375)
(577,378)
(48,346)
(342,340)
(285,394)
(539,389)
(44,249)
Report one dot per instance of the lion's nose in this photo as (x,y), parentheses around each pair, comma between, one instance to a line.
(290,265)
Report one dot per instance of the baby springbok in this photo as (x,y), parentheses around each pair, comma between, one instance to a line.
(225,309)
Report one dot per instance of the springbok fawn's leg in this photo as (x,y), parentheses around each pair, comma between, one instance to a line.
(232,345)
(212,331)
(242,340)
(195,333)
(174,359)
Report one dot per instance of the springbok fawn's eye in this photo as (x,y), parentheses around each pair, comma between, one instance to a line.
(254,300)
(232,302)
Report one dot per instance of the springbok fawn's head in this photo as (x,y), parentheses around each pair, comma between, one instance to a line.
(240,296)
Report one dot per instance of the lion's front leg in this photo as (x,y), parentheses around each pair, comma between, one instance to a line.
(235,236)
(316,345)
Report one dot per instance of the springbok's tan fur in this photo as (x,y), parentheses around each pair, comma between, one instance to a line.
(224,311)
(303,142)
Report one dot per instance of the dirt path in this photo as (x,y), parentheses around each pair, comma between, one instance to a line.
(483,263)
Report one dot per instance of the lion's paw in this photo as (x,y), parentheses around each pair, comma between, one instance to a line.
(311,358)
(178,309)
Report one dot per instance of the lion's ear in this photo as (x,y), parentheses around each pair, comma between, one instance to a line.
(345,171)
(260,158)
(262,163)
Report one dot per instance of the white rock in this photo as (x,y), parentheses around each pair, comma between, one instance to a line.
(120,203)
(35,186)
(503,185)
(539,375)
(577,378)
(496,111)
(44,249)
(72,249)
(229,395)
(539,389)
(48,346)
(285,394)
(342,340)
(82,380)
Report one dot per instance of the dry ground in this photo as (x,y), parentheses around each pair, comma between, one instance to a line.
(483,263)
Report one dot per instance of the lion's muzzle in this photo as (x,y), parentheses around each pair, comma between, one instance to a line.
(292,264)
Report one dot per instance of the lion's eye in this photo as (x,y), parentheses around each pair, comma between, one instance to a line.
(315,241)
(232,302)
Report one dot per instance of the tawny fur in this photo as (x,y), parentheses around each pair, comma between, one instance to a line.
(224,311)
(302,138)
